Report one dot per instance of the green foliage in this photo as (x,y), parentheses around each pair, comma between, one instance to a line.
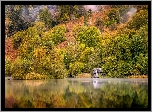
(138,20)
(141,65)
(77,29)
(92,60)
(76,68)
(122,53)
(36,46)
(8,65)
(112,19)
(50,64)
(80,55)
(39,54)
(31,35)
(75,11)
(116,68)
(99,24)
(26,50)
(18,23)
(47,41)
(117,57)
(63,13)
(18,38)
(121,47)
(40,27)
(35,76)
(86,17)
(69,12)
(58,34)
(20,67)
(140,41)
(90,36)
(46,17)
(113,14)
(141,7)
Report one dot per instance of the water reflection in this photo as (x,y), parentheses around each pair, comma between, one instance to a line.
(76,93)
(97,83)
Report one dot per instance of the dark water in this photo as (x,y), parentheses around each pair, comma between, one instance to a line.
(77,93)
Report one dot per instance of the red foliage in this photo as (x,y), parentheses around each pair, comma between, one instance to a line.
(9,50)
(10,102)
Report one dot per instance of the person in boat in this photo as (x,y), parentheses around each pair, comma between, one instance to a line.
(97,71)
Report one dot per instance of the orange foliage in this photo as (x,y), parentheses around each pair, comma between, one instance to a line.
(9,50)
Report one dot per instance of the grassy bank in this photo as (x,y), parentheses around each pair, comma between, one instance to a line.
(87,75)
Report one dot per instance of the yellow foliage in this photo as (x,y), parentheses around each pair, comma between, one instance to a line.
(58,101)
(39,53)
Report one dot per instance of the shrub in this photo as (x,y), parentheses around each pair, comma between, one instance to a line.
(77,29)
(58,34)
(46,17)
(26,50)
(8,65)
(90,36)
(117,57)
(47,40)
(18,38)
(100,24)
(20,67)
(35,76)
(113,14)
(80,55)
(76,68)
(50,64)
(140,42)
(141,64)
(138,20)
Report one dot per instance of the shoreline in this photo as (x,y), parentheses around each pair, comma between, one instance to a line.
(135,77)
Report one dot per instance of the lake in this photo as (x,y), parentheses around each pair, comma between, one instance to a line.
(77,93)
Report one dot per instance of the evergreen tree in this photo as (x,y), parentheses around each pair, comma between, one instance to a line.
(46,17)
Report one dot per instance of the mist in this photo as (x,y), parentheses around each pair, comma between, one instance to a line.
(94,8)
(31,14)
(132,11)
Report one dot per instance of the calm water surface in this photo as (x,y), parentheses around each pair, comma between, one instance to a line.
(77,93)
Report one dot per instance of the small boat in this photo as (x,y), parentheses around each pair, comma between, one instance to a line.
(8,78)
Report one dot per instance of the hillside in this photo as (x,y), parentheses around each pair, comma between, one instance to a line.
(12,53)
(9,50)
(114,39)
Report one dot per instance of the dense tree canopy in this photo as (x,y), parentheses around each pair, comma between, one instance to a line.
(116,42)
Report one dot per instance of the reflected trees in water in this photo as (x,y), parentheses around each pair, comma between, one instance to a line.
(75,94)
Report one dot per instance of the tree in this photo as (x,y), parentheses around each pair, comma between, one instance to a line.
(63,13)
(46,17)
(75,11)
(139,49)
(8,65)
(141,7)
(79,58)
(90,36)
(76,68)
(8,23)
(117,57)
(50,64)
(86,18)
(18,22)
(138,20)
(58,34)
(81,10)
(99,24)
(113,14)
(20,67)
